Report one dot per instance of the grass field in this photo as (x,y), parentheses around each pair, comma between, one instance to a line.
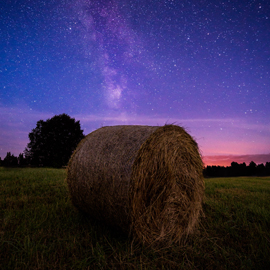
(40,229)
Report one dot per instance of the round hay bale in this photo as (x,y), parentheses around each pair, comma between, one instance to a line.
(147,180)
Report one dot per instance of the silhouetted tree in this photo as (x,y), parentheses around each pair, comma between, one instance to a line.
(237,170)
(215,171)
(267,168)
(252,168)
(10,160)
(260,170)
(53,141)
(243,169)
(21,160)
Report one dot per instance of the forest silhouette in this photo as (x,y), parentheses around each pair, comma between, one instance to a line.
(235,169)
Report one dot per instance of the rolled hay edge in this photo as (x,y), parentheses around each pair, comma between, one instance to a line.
(147,180)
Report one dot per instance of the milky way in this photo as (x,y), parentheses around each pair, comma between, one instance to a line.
(108,39)
(173,55)
(201,64)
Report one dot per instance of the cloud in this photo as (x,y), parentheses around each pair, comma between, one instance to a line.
(135,118)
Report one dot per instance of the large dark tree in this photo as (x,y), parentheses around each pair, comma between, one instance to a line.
(53,141)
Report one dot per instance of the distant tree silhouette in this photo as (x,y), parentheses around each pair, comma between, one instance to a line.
(252,168)
(235,169)
(21,160)
(267,168)
(243,169)
(10,160)
(53,141)
(260,170)
(215,171)
(238,170)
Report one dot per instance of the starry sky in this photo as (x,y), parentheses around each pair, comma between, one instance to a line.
(204,65)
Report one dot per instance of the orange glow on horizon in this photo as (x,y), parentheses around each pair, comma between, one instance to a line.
(226,160)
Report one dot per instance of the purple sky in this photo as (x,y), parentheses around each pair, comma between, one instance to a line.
(204,65)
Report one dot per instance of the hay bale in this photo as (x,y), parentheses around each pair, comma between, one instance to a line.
(147,180)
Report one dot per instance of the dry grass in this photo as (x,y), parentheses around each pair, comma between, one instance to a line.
(145,180)
(40,228)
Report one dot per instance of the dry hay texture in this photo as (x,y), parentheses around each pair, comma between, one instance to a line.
(147,180)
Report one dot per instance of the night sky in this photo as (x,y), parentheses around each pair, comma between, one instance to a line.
(204,65)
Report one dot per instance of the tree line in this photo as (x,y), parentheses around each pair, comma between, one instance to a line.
(210,171)
(237,169)
(52,143)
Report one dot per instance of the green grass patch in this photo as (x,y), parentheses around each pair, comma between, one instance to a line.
(40,229)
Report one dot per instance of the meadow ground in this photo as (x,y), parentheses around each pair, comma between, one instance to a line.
(40,229)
